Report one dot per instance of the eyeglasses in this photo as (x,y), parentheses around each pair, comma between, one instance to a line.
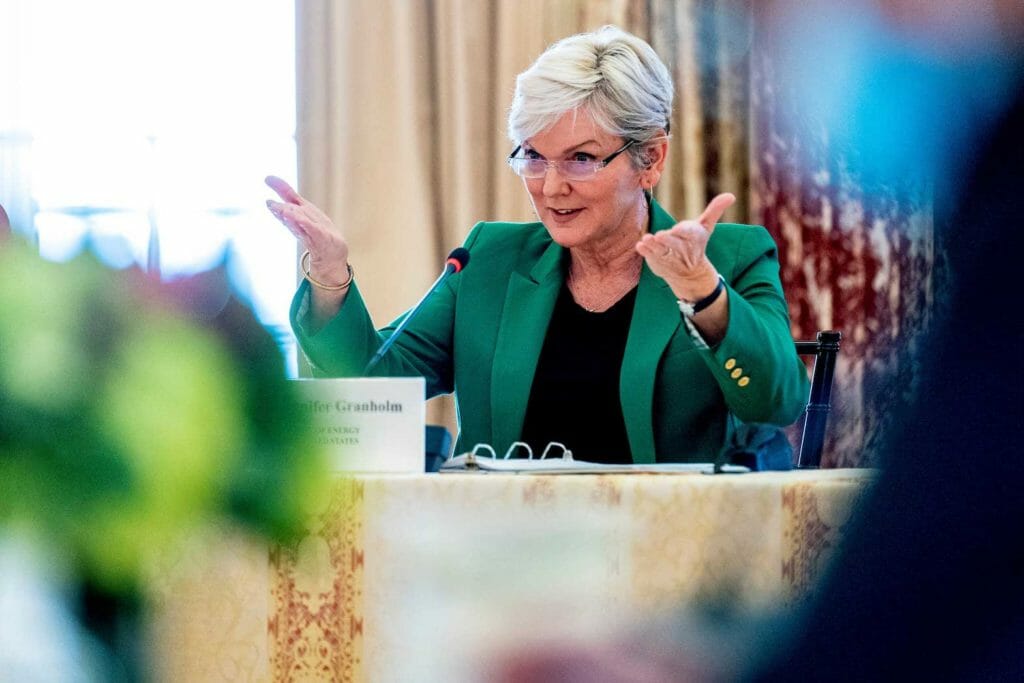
(570,169)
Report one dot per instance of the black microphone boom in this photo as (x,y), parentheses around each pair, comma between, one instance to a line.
(456,261)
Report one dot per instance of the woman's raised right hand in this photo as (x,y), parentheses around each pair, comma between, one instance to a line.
(328,251)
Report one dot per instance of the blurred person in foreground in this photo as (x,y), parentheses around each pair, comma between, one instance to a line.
(929,581)
(607,326)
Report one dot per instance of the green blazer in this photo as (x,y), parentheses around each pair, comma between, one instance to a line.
(481,334)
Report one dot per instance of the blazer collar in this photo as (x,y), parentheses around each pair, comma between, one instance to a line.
(529,301)
(655,320)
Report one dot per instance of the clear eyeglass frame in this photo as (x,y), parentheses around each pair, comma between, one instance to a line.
(569,169)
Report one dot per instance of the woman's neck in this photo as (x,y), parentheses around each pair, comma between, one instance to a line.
(616,255)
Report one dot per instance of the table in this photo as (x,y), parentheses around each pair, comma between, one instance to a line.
(400,572)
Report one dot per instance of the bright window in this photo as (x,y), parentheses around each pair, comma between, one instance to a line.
(146,127)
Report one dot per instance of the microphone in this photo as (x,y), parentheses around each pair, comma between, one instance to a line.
(456,261)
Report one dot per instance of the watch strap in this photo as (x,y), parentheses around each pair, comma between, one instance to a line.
(691,309)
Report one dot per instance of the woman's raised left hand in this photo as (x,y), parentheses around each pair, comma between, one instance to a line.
(678,255)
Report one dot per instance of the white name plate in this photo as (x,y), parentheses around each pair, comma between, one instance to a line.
(369,424)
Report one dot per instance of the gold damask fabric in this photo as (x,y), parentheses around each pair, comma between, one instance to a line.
(399,566)
(210,610)
(316,596)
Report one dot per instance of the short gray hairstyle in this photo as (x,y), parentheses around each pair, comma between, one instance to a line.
(612,74)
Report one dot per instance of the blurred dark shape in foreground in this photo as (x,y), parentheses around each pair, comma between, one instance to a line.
(134,413)
(929,581)
(929,584)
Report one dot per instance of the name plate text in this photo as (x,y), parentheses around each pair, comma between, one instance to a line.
(369,424)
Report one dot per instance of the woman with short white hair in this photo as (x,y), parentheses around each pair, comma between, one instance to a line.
(607,326)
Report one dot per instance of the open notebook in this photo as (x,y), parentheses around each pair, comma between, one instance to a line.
(566,464)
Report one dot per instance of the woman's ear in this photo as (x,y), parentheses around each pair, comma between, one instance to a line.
(655,154)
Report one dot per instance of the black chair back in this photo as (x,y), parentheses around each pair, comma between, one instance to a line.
(824,349)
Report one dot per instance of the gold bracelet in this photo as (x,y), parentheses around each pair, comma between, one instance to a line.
(304,264)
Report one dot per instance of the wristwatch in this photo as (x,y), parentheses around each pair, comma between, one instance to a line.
(691,309)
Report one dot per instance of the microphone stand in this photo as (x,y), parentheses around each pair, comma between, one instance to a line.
(457,260)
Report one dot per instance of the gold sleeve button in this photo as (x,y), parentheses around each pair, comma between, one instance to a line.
(743,381)
(735,374)
(730,364)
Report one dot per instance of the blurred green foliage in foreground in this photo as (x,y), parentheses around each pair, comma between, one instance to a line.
(133,413)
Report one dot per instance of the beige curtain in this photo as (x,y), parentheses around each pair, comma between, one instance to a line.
(401,119)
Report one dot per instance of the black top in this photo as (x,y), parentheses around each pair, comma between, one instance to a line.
(574,399)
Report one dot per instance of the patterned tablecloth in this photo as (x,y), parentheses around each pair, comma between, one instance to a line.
(403,572)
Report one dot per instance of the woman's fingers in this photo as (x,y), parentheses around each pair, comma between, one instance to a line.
(283,190)
(311,226)
(678,255)
(652,244)
(672,249)
(314,229)
(661,256)
(284,211)
(648,247)
(685,237)
(283,215)
(690,237)
(715,208)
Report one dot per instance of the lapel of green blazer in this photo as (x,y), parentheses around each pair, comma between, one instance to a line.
(655,319)
(529,301)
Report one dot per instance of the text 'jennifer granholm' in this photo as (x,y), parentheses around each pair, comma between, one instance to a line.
(321,407)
